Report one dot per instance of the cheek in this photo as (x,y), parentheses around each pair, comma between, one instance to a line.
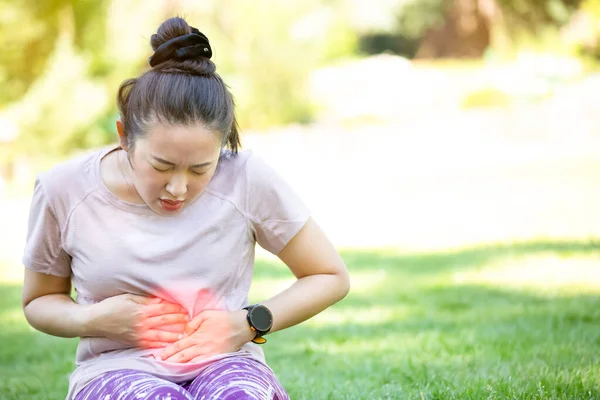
(149,180)
(196,185)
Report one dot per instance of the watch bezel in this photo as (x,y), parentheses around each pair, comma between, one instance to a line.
(255,319)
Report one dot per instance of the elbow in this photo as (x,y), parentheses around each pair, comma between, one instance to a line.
(26,301)
(28,316)
(344,284)
(31,311)
(25,304)
(27,312)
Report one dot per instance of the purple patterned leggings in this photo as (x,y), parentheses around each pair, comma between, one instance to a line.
(227,379)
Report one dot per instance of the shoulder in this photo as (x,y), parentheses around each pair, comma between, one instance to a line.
(238,176)
(235,169)
(241,171)
(69,182)
(231,166)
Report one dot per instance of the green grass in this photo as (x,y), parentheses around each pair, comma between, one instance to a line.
(445,325)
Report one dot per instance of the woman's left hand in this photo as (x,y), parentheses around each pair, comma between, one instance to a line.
(209,333)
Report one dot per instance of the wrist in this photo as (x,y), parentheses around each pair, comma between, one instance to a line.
(243,329)
(87,320)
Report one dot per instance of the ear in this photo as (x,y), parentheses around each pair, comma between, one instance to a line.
(122,135)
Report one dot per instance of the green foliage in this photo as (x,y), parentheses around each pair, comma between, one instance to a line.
(517,24)
(52,127)
(532,14)
(416,17)
(29,30)
(267,50)
(66,58)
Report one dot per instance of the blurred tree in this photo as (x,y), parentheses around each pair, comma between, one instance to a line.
(30,29)
(464,32)
(383,42)
(64,60)
(465,28)
(583,30)
(268,50)
(534,14)
(58,81)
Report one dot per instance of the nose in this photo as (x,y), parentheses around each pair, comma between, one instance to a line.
(177,185)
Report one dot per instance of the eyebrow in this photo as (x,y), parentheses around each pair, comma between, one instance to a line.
(173,164)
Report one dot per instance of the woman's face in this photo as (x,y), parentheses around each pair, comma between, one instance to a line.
(171,165)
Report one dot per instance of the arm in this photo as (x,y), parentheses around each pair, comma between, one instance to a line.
(49,308)
(126,318)
(322,278)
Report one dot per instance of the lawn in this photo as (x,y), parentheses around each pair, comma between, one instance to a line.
(519,321)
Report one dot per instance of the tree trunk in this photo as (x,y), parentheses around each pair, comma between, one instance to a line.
(465,33)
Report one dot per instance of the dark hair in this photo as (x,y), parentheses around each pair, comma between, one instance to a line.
(178,92)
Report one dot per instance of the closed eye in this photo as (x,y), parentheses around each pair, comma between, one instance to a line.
(159,170)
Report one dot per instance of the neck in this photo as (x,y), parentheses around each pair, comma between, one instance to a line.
(125,173)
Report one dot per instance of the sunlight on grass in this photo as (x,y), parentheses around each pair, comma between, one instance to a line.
(12,316)
(11,273)
(544,272)
(362,282)
(509,321)
(367,281)
(267,287)
(362,316)
(14,322)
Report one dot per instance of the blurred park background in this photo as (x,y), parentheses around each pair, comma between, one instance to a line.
(450,148)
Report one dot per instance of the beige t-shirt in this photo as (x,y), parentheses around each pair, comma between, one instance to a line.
(78,228)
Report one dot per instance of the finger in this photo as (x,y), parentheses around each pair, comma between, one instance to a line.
(176,347)
(140,299)
(164,308)
(179,328)
(188,354)
(156,335)
(167,319)
(148,344)
(195,323)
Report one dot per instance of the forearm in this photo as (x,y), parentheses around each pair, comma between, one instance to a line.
(307,297)
(57,315)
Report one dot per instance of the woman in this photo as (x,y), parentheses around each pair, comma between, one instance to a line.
(157,236)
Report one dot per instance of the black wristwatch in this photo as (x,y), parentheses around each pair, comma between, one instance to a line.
(261,321)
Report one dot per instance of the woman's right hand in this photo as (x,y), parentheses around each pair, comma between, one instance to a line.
(142,321)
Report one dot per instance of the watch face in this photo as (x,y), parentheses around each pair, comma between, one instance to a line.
(261,318)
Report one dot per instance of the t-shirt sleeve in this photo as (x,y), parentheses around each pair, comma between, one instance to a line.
(276,212)
(43,250)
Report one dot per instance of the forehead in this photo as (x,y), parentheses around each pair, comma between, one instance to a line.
(180,144)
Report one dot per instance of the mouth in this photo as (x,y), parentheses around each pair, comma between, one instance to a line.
(170,205)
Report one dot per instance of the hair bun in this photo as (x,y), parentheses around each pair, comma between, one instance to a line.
(181,48)
(185,47)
